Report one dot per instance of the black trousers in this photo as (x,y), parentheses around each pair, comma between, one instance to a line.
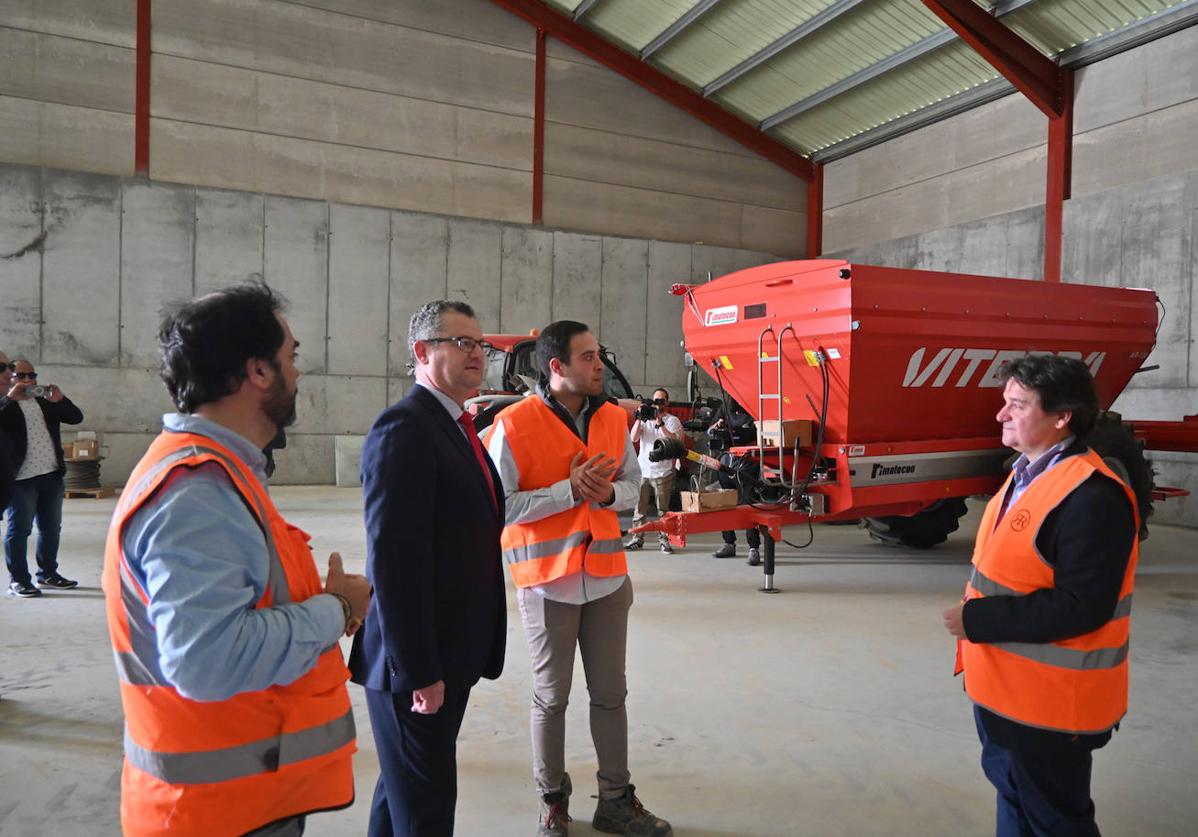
(417,789)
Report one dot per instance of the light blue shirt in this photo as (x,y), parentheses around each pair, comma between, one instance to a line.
(455,411)
(201,557)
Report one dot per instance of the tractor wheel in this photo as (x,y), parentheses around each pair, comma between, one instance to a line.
(1123,453)
(922,530)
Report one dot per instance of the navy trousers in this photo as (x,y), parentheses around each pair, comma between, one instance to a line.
(417,789)
(1039,794)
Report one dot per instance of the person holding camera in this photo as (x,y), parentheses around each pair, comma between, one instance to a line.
(734,426)
(30,419)
(654,423)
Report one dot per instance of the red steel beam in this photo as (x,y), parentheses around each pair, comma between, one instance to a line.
(1036,76)
(658,83)
(538,132)
(141,102)
(1060,180)
(815,213)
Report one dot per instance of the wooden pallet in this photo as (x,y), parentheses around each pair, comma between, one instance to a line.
(92,493)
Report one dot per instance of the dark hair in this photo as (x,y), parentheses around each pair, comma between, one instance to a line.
(662,389)
(1063,384)
(554,342)
(426,320)
(205,342)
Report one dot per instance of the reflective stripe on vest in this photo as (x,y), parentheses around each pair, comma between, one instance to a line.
(1075,685)
(543,549)
(230,763)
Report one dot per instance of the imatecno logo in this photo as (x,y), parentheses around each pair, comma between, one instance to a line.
(720,316)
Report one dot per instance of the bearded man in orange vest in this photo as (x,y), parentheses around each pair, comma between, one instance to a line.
(237,716)
(1042,632)
(567,466)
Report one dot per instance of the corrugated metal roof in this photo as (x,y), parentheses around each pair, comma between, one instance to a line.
(815,73)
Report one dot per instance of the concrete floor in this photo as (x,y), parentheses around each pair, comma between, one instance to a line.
(829,709)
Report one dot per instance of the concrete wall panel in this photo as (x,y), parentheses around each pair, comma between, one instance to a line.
(577,277)
(468,19)
(583,94)
(156,263)
(196,91)
(309,43)
(307,460)
(121,452)
(81,269)
(720,261)
(20,260)
(228,158)
(296,263)
(65,136)
(1154,145)
(605,156)
(668,264)
(527,272)
(67,71)
(473,266)
(419,253)
(774,231)
(359,275)
(102,21)
(333,404)
(639,213)
(228,238)
(622,318)
(130,400)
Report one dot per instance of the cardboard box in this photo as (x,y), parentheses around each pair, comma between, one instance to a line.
(703,501)
(792,429)
(83,449)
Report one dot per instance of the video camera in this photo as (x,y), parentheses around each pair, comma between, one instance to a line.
(650,410)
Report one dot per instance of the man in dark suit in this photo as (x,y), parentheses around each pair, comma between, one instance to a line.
(30,426)
(438,620)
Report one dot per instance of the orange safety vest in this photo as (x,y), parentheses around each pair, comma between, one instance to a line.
(585,536)
(224,767)
(1076,685)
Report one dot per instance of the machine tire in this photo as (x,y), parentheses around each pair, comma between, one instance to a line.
(922,530)
(1124,454)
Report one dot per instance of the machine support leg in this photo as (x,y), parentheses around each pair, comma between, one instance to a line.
(767,565)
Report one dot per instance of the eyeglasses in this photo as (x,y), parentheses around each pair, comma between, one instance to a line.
(26,376)
(660,402)
(466,344)
(10,366)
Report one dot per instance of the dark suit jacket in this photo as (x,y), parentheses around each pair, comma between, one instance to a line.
(16,435)
(432,554)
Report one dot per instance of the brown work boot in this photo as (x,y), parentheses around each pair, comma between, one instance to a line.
(626,815)
(555,812)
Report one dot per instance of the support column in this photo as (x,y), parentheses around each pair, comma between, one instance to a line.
(1060,179)
(141,104)
(815,212)
(538,132)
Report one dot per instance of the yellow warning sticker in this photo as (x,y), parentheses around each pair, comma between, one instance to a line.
(727,364)
(812,357)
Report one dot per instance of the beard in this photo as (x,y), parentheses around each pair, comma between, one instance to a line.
(279,405)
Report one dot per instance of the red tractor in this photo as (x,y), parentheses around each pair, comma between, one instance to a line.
(879,386)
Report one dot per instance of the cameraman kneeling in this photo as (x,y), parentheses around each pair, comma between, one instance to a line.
(653,423)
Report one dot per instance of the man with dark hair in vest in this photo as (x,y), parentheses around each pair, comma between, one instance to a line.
(567,466)
(1042,631)
(237,716)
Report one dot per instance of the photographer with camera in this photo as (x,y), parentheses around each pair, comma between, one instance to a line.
(733,427)
(30,419)
(654,423)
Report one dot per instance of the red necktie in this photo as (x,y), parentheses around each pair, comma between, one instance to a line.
(467,422)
